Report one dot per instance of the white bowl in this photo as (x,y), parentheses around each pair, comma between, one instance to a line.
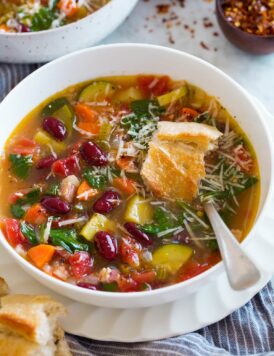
(44,46)
(136,59)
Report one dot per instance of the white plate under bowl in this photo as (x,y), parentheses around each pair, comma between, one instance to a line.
(44,46)
(210,304)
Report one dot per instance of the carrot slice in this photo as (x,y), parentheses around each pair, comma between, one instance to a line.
(36,215)
(125,185)
(88,118)
(189,113)
(69,7)
(125,163)
(41,254)
(85,191)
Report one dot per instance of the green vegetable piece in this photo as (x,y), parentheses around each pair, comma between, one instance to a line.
(68,239)
(171,257)
(109,287)
(54,105)
(172,96)
(53,189)
(42,19)
(95,179)
(146,108)
(128,95)
(17,211)
(212,245)
(66,115)
(29,232)
(20,165)
(97,91)
(162,220)
(30,198)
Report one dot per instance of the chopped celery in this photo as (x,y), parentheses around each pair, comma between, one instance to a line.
(138,211)
(171,257)
(174,95)
(97,91)
(97,223)
(44,139)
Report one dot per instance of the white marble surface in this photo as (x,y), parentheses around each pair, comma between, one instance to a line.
(255,73)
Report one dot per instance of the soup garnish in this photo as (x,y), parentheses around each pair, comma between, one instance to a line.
(39,15)
(106,183)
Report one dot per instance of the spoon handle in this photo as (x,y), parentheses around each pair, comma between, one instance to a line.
(241,271)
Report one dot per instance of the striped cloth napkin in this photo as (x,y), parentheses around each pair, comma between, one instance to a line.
(247,331)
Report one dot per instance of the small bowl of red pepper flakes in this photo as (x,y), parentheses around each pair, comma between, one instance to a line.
(248,24)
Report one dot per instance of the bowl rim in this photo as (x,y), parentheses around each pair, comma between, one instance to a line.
(138,295)
(236,29)
(53,30)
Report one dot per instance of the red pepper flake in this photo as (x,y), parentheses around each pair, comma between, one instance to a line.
(170,38)
(162,8)
(252,16)
(203,45)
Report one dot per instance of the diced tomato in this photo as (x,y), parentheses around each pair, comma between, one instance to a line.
(127,285)
(66,166)
(36,215)
(189,114)
(151,85)
(13,233)
(13,197)
(81,264)
(24,146)
(243,158)
(69,7)
(192,269)
(144,277)
(129,251)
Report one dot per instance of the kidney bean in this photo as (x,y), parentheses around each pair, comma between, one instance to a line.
(106,245)
(139,235)
(93,154)
(87,286)
(24,28)
(55,205)
(45,162)
(55,128)
(107,202)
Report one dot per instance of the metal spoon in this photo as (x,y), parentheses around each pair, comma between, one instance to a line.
(241,271)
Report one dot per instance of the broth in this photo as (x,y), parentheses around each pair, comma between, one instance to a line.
(82,151)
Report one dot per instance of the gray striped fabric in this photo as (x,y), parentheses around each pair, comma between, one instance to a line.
(247,331)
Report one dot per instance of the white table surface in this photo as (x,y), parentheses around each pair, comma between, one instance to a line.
(255,73)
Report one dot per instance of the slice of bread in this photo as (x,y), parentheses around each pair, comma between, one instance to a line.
(174,164)
(200,136)
(29,326)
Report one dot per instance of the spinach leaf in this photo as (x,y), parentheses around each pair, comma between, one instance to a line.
(17,211)
(20,165)
(31,197)
(146,108)
(68,239)
(95,179)
(54,106)
(162,221)
(42,19)
(53,189)
(29,232)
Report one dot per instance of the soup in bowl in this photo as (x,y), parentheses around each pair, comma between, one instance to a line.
(103,183)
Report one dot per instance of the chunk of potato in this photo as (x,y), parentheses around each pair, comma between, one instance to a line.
(42,138)
(138,210)
(171,257)
(97,222)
